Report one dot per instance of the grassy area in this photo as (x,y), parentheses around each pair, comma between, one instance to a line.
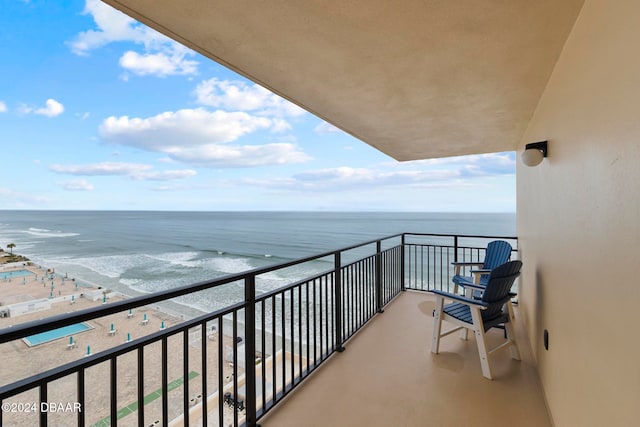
(132,407)
(6,258)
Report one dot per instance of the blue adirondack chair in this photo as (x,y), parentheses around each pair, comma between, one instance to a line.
(492,309)
(497,253)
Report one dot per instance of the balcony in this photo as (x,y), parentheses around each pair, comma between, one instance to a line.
(387,376)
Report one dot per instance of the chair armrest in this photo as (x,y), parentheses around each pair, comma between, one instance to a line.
(474,286)
(477,274)
(506,298)
(458,265)
(464,300)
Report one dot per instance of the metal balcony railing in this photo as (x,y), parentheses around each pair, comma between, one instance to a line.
(249,355)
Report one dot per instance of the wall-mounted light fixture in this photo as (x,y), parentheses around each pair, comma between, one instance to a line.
(534,153)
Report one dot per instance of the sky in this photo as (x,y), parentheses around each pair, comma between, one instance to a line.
(98,112)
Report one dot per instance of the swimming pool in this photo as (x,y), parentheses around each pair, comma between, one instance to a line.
(55,334)
(16,273)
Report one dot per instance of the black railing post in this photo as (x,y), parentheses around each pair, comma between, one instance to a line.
(402,261)
(378,280)
(80,421)
(337,263)
(250,348)
(43,399)
(455,248)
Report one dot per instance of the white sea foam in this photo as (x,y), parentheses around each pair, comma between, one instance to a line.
(212,299)
(177,258)
(130,282)
(112,266)
(40,232)
(227,264)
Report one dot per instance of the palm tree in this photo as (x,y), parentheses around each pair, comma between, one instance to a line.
(11,246)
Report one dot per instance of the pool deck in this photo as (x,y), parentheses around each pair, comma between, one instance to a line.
(55,352)
(35,286)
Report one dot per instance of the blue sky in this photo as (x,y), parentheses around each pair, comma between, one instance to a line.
(99,112)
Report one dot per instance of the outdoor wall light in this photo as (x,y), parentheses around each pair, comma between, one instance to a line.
(534,153)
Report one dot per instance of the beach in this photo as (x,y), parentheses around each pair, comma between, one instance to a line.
(23,359)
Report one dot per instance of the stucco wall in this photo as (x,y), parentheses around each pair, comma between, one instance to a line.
(579,223)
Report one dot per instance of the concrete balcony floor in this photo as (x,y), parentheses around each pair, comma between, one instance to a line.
(387,376)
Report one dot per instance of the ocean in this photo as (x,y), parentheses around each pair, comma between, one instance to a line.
(139,252)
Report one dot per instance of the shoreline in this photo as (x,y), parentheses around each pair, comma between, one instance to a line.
(58,294)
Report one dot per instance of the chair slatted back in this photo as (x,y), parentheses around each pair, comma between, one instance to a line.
(497,253)
(499,285)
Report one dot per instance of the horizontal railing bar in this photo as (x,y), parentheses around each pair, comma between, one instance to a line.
(466,236)
(436,245)
(88,361)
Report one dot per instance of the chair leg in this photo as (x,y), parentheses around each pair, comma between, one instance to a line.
(478,330)
(511,333)
(464,334)
(437,325)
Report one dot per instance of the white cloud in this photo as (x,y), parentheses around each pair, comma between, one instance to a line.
(173,131)
(200,137)
(135,171)
(169,175)
(3,107)
(280,125)
(324,128)
(170,188)
(113,26)
(161,57)
(159,64)
(104,168)
(218,155)
(455,172)
(77,185)
(240,96)
(473,165)
(52,108)
(347,178)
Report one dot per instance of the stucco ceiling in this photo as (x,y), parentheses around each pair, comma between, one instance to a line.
(414,78)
